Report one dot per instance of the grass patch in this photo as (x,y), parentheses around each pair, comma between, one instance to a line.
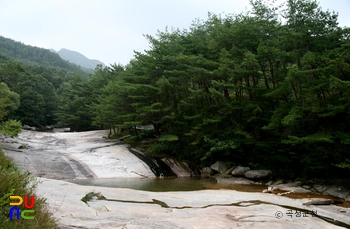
(132,140)
(15,182)
(88,197)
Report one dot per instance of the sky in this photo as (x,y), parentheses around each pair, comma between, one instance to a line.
(109,30)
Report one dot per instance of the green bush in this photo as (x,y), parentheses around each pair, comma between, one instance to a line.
(15,182)
(11,128)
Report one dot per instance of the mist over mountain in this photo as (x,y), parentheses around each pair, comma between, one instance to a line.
(78,58)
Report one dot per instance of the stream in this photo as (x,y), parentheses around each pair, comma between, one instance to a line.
(166,184)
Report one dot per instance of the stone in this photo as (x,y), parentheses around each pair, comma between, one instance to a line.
(337,191)
(318,201)
(278,182)
(207,170)
(32,128)
(240,171)
(219,166)
(180,168)
(127,208)
(228,171)
(320,188)
(257,174)
(26,127)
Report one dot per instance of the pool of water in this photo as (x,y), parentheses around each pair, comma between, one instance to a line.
(166,184)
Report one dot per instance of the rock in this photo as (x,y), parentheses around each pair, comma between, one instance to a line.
(318,201)
(219,166)
(320,188)
(32,128)
(278,182)
(240,171)
(206,172)
(228,171)
(26,127)
(269,190)
(337,191)
(127,208)
(257,174)
(306,186)
(49,127)
(180,168)
(285,193)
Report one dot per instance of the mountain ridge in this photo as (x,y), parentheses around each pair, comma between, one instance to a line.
(78,58)
(33,55)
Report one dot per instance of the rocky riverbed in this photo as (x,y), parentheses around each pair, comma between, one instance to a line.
(54,157)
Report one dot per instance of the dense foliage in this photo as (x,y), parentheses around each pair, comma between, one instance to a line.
(245,88)
(31,92)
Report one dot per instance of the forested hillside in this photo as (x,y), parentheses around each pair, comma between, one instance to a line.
(245,88)
(35,56)
(32,92)
(248,88)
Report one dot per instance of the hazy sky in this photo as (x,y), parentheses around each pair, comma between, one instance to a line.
(109,30)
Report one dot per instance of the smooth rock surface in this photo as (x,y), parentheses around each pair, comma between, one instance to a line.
(240,171)
(75,155)
(125,208)
(257,174)
(180,168)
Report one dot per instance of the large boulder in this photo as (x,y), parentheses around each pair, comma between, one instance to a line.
(257,174)
(239,171)
(219,166)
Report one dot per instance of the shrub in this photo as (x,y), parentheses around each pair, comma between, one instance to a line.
(15,182)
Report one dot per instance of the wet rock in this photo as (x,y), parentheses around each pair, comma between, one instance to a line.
(318,201)
(219,166)
(257,174)
(180,168)
(240,171)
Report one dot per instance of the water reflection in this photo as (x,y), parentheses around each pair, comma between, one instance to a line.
(166,184)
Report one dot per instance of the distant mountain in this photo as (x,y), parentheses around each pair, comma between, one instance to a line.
(78,58)
(33,55)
